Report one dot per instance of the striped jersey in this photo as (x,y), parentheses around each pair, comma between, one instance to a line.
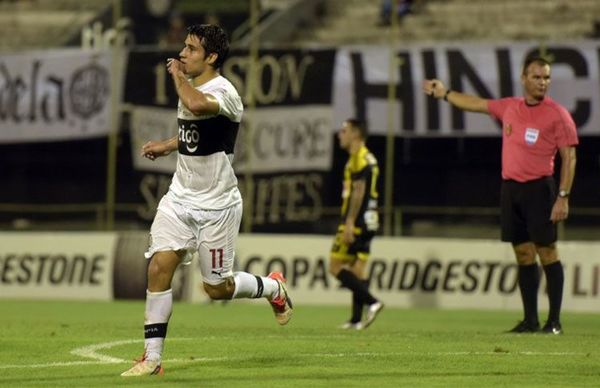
(531,136)
(362,166)
(204,178)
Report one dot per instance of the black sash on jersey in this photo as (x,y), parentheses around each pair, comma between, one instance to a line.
(207,136)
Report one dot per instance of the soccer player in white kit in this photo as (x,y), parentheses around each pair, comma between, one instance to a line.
(202,210)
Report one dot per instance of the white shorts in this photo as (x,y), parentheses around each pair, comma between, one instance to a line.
(211,233)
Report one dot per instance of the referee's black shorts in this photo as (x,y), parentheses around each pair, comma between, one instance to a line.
(525,211)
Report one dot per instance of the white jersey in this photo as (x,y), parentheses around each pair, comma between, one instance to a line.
(204,178)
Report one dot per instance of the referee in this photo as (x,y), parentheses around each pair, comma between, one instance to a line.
(534,128)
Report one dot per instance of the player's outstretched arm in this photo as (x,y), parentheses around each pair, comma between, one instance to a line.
(156,149)
(436,89)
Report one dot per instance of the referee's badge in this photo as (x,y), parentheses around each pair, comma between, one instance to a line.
(531,135)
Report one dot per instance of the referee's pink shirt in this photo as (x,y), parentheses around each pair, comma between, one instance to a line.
(531,136)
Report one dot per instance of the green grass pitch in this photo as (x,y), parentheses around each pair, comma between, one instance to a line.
(88,344)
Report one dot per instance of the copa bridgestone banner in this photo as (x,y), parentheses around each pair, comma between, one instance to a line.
(417,272)
(49,265)
(403,272)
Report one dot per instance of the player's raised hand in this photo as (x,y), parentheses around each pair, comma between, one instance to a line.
(175,66)
(434,87)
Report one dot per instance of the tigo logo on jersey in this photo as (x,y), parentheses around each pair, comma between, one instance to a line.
(190,137)
(531,135)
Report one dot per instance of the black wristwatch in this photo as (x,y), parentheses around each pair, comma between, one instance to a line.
(563,193)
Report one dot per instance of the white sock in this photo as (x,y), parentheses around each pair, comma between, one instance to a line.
(248,286)
(159,306)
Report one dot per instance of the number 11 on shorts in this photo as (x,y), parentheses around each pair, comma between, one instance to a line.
(217,256)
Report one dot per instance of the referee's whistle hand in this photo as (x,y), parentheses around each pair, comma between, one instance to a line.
(560,211)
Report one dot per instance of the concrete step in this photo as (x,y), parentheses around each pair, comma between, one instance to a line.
(354,21)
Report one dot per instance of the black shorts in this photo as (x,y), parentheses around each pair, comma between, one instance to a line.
(526,209)
(359,249)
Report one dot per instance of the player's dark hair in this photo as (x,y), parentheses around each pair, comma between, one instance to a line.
(213,39)
(360,126)
(537,60)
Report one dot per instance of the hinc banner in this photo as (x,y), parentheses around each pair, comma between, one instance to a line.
(305,94)
(56,95)
(362,74)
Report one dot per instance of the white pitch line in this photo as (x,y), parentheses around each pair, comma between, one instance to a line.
(91,351)
(508,353)
(75,363)
(503,353)
(53,364)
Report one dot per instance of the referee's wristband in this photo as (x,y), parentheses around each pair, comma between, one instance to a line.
(446,94)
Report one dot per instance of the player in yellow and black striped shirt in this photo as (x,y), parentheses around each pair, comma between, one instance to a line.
(359,223)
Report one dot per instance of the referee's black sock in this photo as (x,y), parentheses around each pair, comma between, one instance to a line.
(351,282)
(555,278)
(529,281)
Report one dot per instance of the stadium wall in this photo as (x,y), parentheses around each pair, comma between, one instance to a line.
(404,272)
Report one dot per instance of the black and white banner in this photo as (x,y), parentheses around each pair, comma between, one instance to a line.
(291,123)
(150,123)
(65,94)
(56,95)
(286,139)
(362,74)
